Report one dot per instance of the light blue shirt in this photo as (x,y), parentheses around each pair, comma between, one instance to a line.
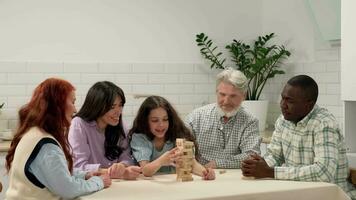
(144,149)
(51,169)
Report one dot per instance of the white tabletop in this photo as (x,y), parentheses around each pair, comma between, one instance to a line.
(229,185)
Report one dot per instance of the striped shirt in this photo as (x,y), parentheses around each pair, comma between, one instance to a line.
(311,150)
(225,143)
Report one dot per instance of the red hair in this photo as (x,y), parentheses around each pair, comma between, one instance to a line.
(47,111)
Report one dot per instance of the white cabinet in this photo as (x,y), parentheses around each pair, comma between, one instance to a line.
(348,75)
(348,53)
(350,125)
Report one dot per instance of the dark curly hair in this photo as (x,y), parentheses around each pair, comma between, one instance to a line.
(176,129)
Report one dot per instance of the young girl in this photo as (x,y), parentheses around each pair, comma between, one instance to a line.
(97,136)
(39,161)
(154,132)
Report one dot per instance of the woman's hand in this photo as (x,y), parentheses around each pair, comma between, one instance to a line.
(103,175)
(106,180)
(132,172)
(88,175)
(116,170)
(208,174)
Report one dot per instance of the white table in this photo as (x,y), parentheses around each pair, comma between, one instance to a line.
(229,185)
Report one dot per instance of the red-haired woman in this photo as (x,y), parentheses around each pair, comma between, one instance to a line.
(39,161)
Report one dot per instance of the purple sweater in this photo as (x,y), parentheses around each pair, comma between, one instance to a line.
(88,146)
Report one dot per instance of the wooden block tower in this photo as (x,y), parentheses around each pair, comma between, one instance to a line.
(185,166)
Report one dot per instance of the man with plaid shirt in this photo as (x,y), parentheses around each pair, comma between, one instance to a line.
(226,134)
(306,145)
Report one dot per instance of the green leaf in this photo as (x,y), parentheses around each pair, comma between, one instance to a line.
(259,61)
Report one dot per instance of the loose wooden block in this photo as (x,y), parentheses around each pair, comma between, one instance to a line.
(223,171)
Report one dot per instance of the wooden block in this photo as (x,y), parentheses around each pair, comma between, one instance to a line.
(180,143)
(187,153)
(185,166)
(187,179)
(187,169)
(223,171)
(188,144)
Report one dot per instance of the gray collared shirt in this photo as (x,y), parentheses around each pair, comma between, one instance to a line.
(226,143)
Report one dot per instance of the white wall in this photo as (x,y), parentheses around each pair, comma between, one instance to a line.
(291,21)
(120,30)
(144,46)
(134,42)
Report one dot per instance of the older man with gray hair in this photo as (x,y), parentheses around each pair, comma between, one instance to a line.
(225,132)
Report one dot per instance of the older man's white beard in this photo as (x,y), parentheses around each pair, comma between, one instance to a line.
(223,113)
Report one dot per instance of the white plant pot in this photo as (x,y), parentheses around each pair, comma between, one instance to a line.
(259,110)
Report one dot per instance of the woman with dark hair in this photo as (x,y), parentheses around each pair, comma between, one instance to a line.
(97,136)
(154,133)
(39,162)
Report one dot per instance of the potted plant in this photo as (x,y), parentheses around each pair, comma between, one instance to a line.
(259,62)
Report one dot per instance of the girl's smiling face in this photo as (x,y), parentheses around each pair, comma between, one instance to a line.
(158,122)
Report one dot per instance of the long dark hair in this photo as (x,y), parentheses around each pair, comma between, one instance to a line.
(99,100)
(46,110)
(176,128)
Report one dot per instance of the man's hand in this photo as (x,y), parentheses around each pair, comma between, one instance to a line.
(256,166)
(211,164)
(208,174)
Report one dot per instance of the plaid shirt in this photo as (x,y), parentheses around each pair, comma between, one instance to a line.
(226,143)
(311,150)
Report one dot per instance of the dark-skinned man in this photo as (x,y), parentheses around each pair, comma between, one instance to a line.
(306,145)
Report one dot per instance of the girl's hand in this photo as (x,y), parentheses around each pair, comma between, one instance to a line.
(116,170)
(169,157)
(132,172)
(208,174)
(106,180)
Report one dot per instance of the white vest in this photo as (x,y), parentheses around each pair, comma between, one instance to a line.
(20,187)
